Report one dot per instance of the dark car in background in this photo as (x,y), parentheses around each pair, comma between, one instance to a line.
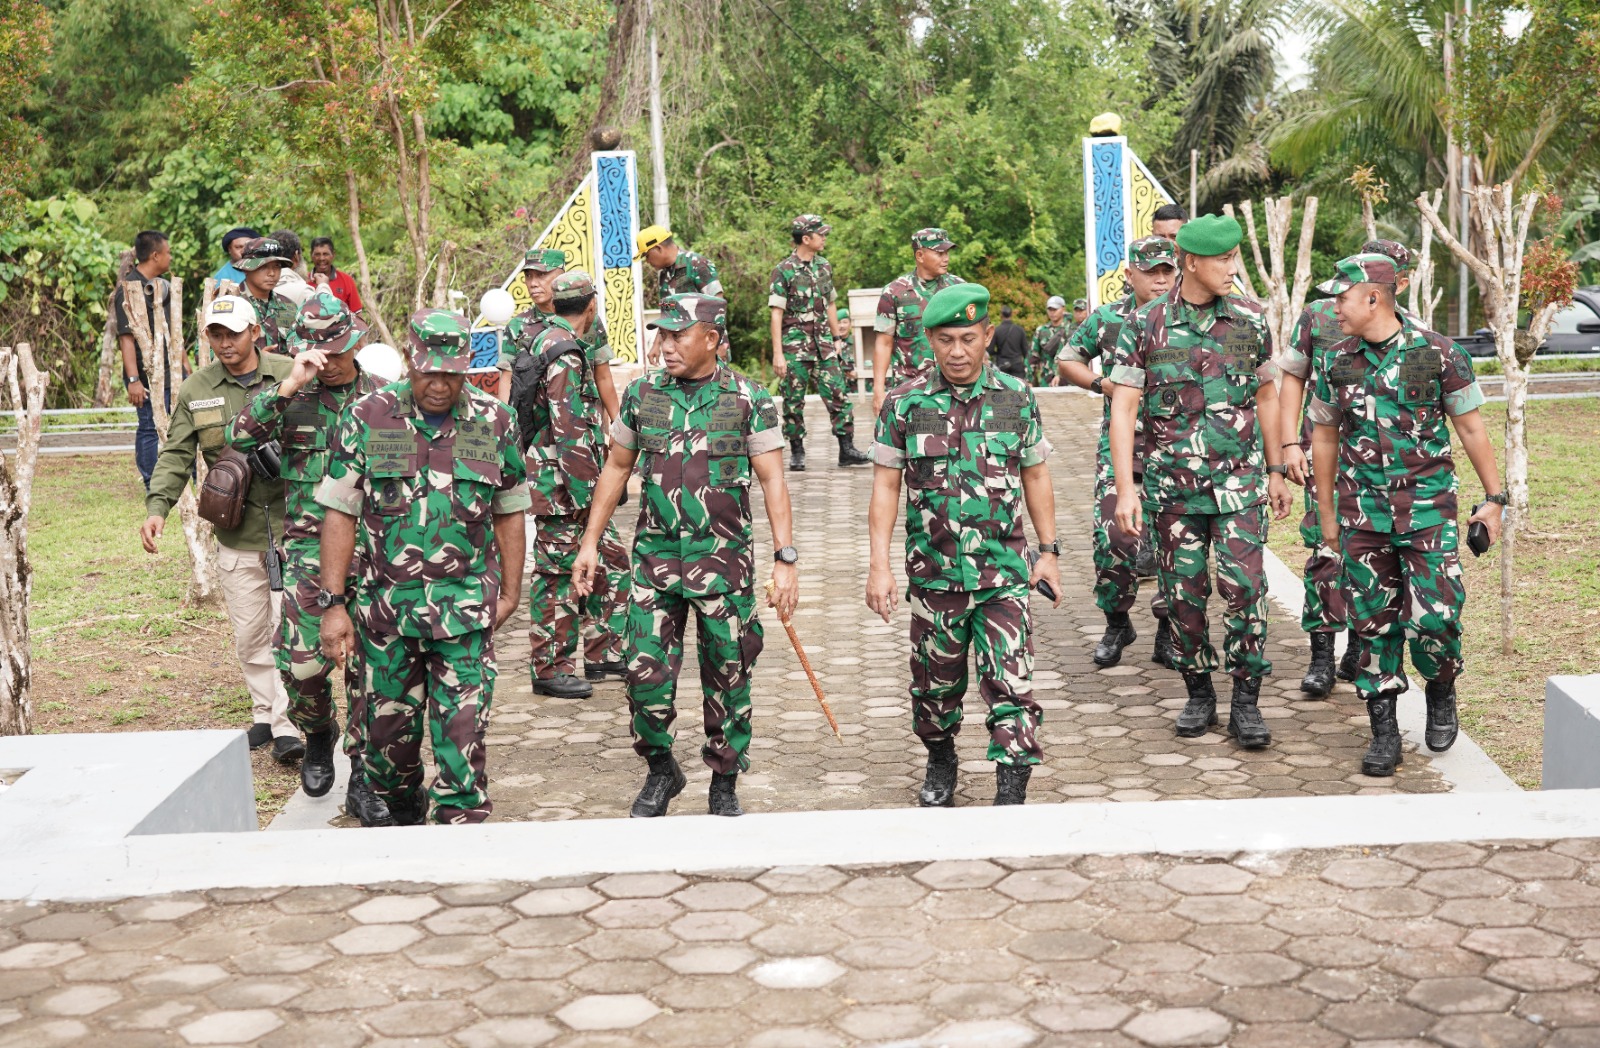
(1576,329)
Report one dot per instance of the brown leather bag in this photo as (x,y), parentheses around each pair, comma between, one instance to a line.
(222,496)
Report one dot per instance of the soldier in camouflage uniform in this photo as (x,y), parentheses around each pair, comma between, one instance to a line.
(1048,338)
(263,261)
(698,432)
(301,415)
(968,439)
(1325,612)
(1152,266)
(1197,364)
(901,351)
(431,470)
(1386,492)
(563,436)
(541,268)
(679,271)
(805,334)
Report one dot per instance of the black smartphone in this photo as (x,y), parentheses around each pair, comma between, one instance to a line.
(1478,533)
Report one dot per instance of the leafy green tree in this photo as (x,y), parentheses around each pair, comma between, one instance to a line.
(24,50)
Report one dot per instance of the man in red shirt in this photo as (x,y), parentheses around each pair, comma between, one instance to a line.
(323,272)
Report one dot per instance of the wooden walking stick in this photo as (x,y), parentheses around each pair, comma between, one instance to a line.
(805,664)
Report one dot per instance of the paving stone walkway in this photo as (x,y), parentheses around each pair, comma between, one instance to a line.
(1107,733)
(1438,944)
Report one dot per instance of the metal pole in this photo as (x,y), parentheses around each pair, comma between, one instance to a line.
(1194,177)
(658,159)
(1462,300)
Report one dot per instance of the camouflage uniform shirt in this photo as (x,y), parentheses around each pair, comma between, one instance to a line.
(566,442)
(525,328)
(962,451)
(1043,351)
(276,317)
(805,293)
(900,311)
(1390,402)
(1199,369)
(1097,337)
(426,498)
(692,272)
(306,426)
(695,444)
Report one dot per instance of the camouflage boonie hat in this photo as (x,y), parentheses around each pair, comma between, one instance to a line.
(327,324)
(934,237)
(679,312)
(809,224)
(1147,253)
(1398,253)
(572,286)
(440,341)
(1360,269)
(261,250)
(544,259)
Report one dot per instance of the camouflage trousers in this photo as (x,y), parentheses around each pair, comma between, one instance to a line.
(993,624)
(448,684)
(1184,544)
(730,638)
(556,613)
(1327,594)
(1116,582)
(828,379)
(307,674)
(1404,587)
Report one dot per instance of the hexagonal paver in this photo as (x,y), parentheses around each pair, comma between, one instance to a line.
(1376,1020)
(394,909)
(231,1027)
(1541,974)
(608,1011)
(1438,855)
(468,920)
(797,973)
(1459,996)
(1207,879)
(375,939)
(709,960)
(79,1000)
(719,895)
(1174,1027)
(639,885)
(1250,969)
(881,891)
(1083,1015)
(801,880)
(635,913)
(550,902)
(1368,873)
(714,925)
(885,953)
(949,875)
(183,978)
(1514,942)
(1044,885)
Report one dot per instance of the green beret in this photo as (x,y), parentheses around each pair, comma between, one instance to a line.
(1210,235)
(959,305)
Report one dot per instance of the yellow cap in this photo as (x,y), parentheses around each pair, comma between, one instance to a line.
(649,237)
(1106,124)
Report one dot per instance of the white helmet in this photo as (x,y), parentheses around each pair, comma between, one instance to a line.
(381,362)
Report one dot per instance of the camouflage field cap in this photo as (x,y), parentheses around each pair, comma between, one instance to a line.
(959,305)
(804,224)
(544,259)
(1080,303)
(1147,253)
(572,286)
(1398,253)
(1210,235)
(327,324)
(933,237)
(439,341)
(261,250)
(679,312)
(1360,269)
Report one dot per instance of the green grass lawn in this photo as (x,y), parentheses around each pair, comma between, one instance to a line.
(1557,598)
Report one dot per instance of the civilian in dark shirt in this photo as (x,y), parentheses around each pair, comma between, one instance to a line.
(152,257)
(1009,347)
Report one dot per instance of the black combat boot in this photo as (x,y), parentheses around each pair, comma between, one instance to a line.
(939,785)
(1384,755)
(1144,565)
(412,811)
(563,686)
(316,770)
(723,800)
(849,454)
(1119,634)
(1442,724)
(797,455)
(664,782)
(1318,680)
(1244,716)
(1200,712)
(1162,655)
(361,803)
(1350,662)
(1011,783)
(595,672)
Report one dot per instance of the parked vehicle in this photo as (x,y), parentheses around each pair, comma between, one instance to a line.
(1576,329)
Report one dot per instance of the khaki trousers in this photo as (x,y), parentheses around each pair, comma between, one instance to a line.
(255,610)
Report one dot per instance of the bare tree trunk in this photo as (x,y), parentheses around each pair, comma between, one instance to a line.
(419,130)
(25,386)
(1250,227)
(1423,299)
(441,275)
(1368,219)
(369,298)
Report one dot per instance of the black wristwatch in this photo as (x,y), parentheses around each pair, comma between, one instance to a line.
(1097,385)
(326,600)
(786,554)
(1050,547)
(1502,499)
